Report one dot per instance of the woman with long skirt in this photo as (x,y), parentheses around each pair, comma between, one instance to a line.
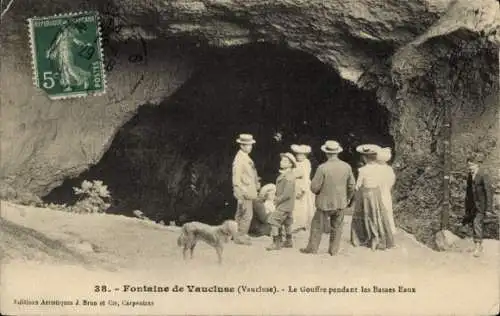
(370,225)
(388,179)
(304,204)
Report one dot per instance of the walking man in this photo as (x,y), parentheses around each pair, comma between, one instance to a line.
(334,185)
(284,203)
(245,186)
(478,201)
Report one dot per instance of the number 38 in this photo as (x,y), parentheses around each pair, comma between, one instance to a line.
(48,80)
(100,288)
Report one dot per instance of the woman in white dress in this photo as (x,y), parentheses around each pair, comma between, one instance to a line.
(388,178)
(304,203)
(370,224)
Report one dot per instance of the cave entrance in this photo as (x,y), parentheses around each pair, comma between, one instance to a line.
(173,161)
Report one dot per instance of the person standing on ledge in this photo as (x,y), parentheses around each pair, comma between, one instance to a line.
(478,201)
(245,186)
(334,184)
(284,202)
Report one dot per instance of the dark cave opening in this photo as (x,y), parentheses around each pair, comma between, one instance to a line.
(173,161)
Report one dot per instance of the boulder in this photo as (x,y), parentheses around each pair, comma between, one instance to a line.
(446,240)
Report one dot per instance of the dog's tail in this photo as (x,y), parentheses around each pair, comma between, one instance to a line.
(181,241)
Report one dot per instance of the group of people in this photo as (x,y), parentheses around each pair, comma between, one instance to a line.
(296,202)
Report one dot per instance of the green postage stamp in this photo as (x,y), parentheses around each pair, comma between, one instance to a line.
(67,55)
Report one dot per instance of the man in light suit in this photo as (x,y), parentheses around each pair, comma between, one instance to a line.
(245,186)
(478,201)
(334,185)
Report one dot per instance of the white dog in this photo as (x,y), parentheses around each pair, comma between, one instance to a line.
(215,236)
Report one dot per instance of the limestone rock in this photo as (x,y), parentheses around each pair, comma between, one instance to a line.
(446,240)
(398,49)
(45,141)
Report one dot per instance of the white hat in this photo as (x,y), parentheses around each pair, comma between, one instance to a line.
(368,149)
(331,147)
(301,149)
(384,154)
(246,139)
(290,157)
(266,189)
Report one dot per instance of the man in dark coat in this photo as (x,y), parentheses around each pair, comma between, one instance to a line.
(334,185)
(478,201)
(284,203)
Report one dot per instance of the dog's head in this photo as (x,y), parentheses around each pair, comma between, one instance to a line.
(229,228)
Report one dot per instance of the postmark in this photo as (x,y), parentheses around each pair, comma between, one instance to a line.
(67,55)
(119,37)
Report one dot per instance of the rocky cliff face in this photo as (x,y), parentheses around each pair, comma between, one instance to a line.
(44,141)
(400,50)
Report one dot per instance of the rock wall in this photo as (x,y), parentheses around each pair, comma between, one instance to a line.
(45,141)
(455,61)
(399,49)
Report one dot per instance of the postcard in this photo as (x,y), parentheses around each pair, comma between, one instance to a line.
(249,157)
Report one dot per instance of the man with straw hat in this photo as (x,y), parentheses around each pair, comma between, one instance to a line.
(284,202)
(333,183)
(245,186)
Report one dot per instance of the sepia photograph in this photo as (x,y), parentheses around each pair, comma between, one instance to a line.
(249,157)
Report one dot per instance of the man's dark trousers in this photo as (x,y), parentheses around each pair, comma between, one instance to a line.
(477,202)
(477,226)
(336,219)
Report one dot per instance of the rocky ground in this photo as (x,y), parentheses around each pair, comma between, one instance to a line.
(49,252)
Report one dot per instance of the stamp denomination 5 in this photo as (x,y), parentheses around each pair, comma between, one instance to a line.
(67,55)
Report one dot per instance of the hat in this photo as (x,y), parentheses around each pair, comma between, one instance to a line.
(368,149)
(245,139)
(384,154)
(290,157)
(266,189)
(301,149)
(331,147)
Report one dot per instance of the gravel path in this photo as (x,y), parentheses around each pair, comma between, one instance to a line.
(85,250)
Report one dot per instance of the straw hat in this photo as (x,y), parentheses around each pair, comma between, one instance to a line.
(264,191)
(301,149)
(290,157)
(331,147)
(368,149)
(384,154)
(245,139)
